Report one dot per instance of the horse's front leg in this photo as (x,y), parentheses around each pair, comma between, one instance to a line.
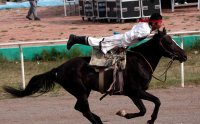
(156,101)
(140,106)
(138,102)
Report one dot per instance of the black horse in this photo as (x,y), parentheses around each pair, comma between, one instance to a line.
(79,78)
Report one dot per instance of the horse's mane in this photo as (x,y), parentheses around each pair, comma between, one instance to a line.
(148,45)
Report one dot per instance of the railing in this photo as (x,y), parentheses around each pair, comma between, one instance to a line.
(70,4)
(180,34)
(20,44)
(184,5)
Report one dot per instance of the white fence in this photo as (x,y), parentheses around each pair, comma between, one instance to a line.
(21,44)
(184,5)
(72,7)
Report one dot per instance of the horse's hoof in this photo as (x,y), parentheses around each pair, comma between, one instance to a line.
(121,113)
(150,122)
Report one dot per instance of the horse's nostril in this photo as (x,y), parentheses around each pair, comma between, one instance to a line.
(185,57)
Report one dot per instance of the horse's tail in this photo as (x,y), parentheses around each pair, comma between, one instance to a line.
(41,83)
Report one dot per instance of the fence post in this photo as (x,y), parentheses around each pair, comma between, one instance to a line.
(22,66)
(182,65)
(172,5)
(65,8)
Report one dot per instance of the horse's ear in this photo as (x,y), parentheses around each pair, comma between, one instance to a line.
(164,30)
(159,32)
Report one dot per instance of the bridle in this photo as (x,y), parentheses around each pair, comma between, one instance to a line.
(164,73)
(168,65)
(167,51)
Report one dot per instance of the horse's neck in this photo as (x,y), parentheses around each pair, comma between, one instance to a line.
(150,54)
(153,59)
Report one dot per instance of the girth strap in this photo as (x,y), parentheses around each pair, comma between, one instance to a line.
(118,83)
(101,80)
(121,82)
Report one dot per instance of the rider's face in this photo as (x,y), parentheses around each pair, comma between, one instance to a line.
(156,25)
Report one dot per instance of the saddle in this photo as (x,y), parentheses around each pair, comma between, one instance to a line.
(115,59)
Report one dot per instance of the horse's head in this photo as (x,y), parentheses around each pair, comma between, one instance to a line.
(169,47)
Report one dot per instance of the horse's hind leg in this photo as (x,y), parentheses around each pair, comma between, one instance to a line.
(81,93)
(82,105)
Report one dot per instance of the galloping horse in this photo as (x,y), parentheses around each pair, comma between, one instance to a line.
(79,78)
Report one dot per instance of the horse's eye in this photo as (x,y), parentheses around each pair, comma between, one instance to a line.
(167,40)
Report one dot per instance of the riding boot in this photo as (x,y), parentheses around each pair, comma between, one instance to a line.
(73,39)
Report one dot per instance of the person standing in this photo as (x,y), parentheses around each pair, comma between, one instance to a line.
(32,10)
(177,2)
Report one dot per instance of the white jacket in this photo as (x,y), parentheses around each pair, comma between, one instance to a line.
(138,32)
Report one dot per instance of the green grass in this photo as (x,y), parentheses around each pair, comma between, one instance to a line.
(191,70)
(10,72)
(198,18)
(51,55)
(166,17)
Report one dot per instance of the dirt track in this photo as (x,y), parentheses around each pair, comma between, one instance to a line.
(179,106)
(54,25)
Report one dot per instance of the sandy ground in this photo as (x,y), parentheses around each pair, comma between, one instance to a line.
(178,106)
(54,25)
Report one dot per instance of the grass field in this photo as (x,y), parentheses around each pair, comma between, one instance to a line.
(10,72)
(191,71)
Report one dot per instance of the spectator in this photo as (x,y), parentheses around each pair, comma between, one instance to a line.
(177,2)
(32,10)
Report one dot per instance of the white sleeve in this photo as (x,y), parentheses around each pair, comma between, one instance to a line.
(140,31)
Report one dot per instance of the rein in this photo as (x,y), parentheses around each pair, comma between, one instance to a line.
(168,66)
(164,73)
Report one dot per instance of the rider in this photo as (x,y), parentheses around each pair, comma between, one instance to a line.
(133,36)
